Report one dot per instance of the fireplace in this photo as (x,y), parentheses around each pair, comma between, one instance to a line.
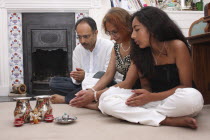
(48,43)
(11,12)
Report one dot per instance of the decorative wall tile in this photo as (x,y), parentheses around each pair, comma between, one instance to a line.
(15,45)
(15,48)
(14,18)
(17,81)
(80,15)
(15,32)
(16,72)
(16,59)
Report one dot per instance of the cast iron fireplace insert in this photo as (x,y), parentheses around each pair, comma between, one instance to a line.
(48,43)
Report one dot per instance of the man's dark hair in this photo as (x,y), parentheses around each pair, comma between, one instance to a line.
(91,22)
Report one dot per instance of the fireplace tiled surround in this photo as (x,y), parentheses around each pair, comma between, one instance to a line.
(11,45)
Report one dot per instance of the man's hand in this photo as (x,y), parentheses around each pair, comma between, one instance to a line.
(83,98)
(78,75)
(139,98)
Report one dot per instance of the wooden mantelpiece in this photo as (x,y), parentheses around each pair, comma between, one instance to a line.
(201,63)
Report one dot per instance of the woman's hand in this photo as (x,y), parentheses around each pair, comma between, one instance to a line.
(140,98)
(82,98)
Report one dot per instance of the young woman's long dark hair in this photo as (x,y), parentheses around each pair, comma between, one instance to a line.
(161,27)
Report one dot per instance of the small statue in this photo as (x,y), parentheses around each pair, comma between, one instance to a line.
(35,116)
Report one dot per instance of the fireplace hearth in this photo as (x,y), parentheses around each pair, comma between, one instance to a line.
(48,43)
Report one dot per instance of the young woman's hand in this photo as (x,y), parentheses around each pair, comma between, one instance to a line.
(139,98)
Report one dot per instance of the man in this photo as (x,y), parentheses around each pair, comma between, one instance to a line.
(89,57)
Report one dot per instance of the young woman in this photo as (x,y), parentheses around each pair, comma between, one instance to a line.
(162,57)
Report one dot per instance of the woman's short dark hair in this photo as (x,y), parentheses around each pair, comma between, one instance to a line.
(91,22)
(162,28)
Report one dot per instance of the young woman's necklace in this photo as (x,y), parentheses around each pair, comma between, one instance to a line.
(124,49)
(160,52)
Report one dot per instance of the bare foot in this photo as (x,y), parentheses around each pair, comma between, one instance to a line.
(180,121)
(93,106)
(57,99)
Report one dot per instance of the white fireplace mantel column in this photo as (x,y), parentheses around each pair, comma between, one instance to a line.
(4,58)
(95,8)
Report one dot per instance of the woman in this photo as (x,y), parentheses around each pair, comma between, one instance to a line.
(117,24)
(162,57)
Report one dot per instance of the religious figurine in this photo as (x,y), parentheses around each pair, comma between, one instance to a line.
(35,116)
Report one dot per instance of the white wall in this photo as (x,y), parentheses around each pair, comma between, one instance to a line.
(98,14)
(184,19)
(205,2)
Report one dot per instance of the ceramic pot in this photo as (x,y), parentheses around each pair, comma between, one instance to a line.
(22,109)
(43,105)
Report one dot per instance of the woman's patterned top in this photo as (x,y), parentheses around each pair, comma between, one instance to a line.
(122,64)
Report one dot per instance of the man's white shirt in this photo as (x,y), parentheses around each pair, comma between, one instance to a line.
(92,62)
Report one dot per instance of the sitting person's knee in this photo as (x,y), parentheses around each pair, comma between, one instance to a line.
(191,96)
(107,107)
(188,101)
(51,83)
